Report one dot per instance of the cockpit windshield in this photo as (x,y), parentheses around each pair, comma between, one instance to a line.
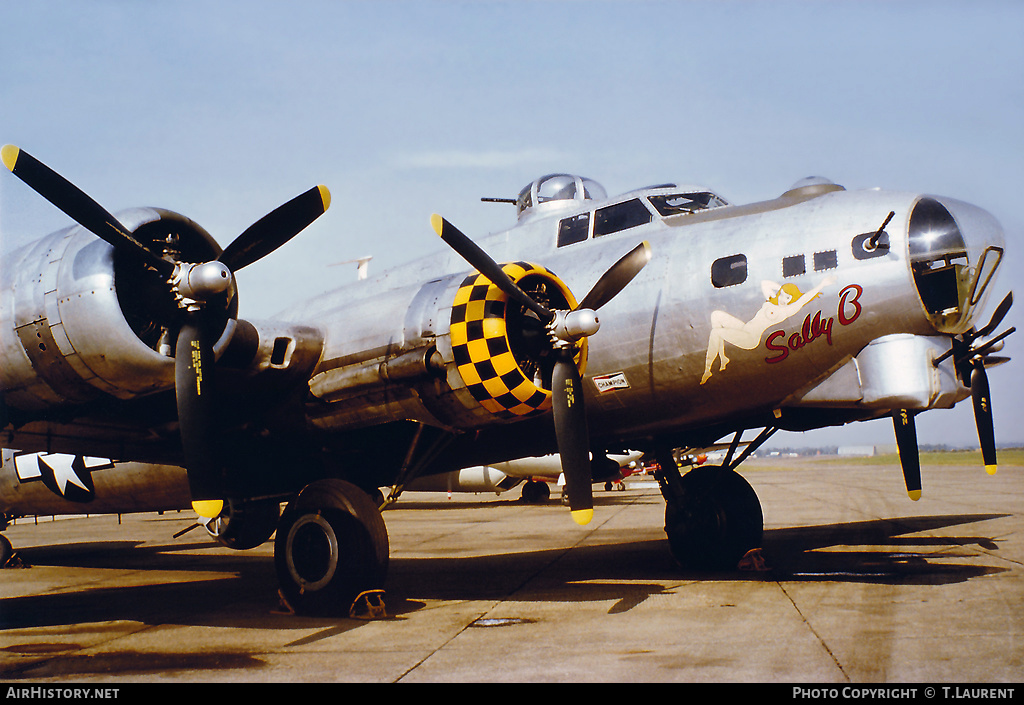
(673,204)
(556,191)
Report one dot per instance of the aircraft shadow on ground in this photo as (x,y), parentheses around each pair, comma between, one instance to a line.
(242,589)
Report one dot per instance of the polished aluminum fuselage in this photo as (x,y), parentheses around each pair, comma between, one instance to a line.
(705,337)
(644,368)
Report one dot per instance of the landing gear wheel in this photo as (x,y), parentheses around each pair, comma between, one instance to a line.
(6,551)
(245,525)
(535,492)
(331,546)
(714,520)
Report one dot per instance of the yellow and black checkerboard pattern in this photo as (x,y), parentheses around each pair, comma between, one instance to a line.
(481,348)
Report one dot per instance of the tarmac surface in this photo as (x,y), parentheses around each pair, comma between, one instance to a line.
(863,586)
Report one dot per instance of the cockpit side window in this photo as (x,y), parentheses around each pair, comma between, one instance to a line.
(573,229)
(620,216)
(673,204)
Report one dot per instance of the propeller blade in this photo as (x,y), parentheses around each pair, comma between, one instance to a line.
(982,399)
(193,377)
(906,444)
(483,263)
(997,317)
(617,277)
(993,360)
(276,228)
(572,436)
(78,205)
(991,344)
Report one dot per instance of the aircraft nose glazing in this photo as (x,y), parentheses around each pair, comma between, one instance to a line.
(955,249)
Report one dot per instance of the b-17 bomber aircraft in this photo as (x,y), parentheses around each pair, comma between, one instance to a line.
(659,319)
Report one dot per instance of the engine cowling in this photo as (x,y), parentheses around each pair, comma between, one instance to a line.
(498,346)
(82,320)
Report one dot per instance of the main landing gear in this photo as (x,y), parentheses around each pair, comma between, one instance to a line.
(713,517)
(331,548)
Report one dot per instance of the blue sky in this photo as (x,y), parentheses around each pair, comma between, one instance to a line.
(223,110)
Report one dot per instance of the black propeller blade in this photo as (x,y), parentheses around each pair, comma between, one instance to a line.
(997,317)
(276,228)
(564,329)
(617,277)
(79,206)
(483,263)
(981,396)
(193,388)
(982,400)
(910,457)
(194,285)
(572,436)
(970,361)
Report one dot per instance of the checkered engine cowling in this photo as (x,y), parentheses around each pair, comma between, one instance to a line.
(500,349)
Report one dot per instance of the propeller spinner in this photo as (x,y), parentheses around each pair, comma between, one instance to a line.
(193,285)
(565,329)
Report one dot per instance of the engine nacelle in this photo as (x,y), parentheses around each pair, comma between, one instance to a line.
(462,355)
(81,320)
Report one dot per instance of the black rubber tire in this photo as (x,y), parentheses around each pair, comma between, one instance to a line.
(535,492)
(331,545)
(715,522)
(6,551)
(246,525)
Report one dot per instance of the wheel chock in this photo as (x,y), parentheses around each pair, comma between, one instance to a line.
(283,606)
(753,560)
(368,605)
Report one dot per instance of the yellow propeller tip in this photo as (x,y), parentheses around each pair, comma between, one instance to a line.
(914,494)
(991,469)
(437,223)
(582,516)
(325,196)
(9,153)
(208,508)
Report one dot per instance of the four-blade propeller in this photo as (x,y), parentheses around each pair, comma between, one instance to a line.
(565,329)
(975,357)
(194,285)
(970,361)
